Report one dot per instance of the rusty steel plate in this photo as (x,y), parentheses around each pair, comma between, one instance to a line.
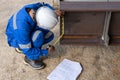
(114,28)
(84,23)
(83,27)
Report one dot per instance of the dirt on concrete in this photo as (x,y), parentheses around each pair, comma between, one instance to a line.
(99,63)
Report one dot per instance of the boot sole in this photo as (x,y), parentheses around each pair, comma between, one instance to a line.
(18,51)
(33,67)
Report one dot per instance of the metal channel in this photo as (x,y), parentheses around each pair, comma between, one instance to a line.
(90,6)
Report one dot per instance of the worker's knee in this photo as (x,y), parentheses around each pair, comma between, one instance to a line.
(49,37)
(37,38)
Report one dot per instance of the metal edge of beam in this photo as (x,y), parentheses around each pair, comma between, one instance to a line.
(90,6)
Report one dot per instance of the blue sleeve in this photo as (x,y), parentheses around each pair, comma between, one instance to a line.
(34,6)
(23,36)
(38,5)
(49,6)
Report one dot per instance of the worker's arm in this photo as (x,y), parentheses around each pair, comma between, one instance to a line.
(35,6)
(57,11)
(48,5)
(38,5)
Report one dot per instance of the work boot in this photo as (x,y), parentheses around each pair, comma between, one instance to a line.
(36,64)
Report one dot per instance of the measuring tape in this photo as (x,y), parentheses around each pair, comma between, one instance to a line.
(56,41)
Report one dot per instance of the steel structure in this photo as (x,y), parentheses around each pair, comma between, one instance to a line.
(91,23)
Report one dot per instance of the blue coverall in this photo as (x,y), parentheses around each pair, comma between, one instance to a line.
(22,32)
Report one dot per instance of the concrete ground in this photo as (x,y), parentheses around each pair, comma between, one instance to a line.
(99,63)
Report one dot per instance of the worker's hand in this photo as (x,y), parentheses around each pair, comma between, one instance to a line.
(59,13)
(51,49)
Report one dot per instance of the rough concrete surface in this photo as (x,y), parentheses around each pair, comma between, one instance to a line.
(99,63)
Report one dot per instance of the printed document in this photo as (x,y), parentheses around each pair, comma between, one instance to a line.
(66,70)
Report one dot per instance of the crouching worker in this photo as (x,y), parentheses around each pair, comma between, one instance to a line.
(29,28)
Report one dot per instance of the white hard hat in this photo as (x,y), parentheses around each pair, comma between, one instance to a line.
(46,18)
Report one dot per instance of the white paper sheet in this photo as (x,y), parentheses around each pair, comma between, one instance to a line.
(66,70)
